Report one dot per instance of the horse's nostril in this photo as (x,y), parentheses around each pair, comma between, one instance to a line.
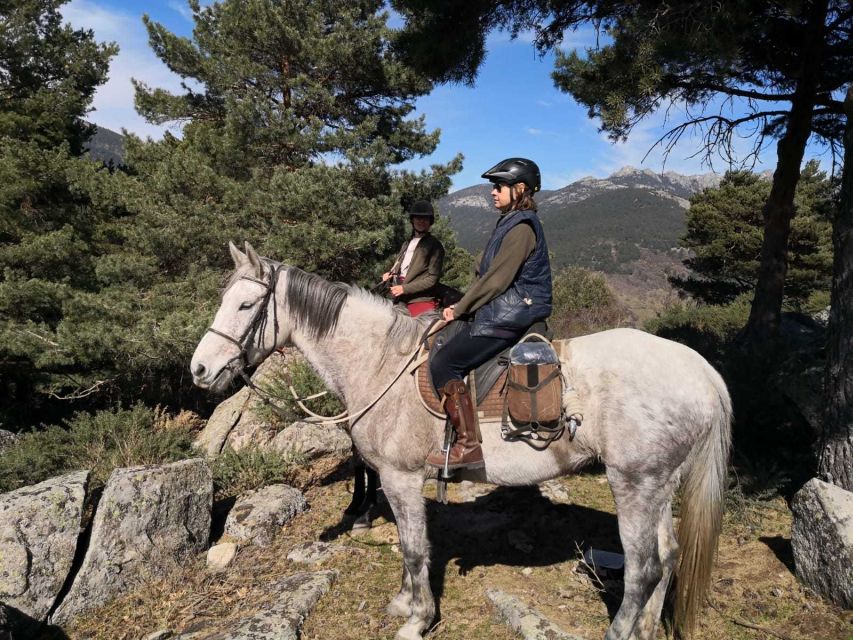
(199,370)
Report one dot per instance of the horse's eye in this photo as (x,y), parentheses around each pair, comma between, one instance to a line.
(246,305)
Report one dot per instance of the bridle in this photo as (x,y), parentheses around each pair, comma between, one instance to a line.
(254,331)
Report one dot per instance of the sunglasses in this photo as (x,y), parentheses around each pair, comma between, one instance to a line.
(497,186)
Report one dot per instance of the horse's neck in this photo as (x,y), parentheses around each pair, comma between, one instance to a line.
(350,360)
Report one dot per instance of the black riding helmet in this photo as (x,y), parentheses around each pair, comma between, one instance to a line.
(421,208)
(515,170)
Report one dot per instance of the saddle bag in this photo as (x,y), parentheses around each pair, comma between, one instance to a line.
(533,399)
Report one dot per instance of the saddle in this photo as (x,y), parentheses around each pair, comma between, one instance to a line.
(503,392)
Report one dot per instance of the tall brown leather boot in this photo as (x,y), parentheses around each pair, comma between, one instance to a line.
(466,452)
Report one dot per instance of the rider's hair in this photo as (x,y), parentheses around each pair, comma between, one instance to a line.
(522,202)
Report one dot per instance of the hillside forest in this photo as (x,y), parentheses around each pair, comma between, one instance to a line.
(111,271)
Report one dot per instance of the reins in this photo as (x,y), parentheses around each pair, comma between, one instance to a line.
(257,327)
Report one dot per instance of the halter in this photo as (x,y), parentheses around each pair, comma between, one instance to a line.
(256,328)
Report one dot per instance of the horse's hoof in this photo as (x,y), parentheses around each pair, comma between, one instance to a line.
(399,607)
(410,631)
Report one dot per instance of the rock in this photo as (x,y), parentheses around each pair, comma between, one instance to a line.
(161,634)
(240,421)
(225,417)
(257,516)
(314,552)
(822,540)
(39,528)
(555,491)
(527,622)
(148,519)
(221,555)
(282,619)
(7,439)
(312,440)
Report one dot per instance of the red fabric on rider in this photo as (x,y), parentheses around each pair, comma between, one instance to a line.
(417,308)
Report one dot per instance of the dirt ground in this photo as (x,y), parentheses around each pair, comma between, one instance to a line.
(527,542)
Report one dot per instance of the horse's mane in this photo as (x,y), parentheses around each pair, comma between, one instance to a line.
(315,305)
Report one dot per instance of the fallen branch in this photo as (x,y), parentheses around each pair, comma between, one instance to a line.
(750,625)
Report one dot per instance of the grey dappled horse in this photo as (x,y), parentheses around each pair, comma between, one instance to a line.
(656,414)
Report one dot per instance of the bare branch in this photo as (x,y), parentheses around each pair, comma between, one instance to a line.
(80,394)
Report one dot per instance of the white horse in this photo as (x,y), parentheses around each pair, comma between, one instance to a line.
(656,414)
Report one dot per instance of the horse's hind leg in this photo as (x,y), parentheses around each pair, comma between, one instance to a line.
(668,554)
(639,503)
(403,491)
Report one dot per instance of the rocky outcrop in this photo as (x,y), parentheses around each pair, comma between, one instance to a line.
(39,529)
(257,516)
(527,622)
(222,421)
(281,620)
(148,519)
(822,540)
(243,420)
(312,441)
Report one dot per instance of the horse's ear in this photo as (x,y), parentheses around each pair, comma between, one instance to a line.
(254,260)
(238,256)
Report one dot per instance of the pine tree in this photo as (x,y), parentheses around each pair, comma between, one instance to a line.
(724,234)
(48,75)
(295,116)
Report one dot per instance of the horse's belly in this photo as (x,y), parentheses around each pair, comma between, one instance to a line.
(517,463)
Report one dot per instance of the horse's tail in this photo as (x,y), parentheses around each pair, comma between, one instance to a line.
(701,512)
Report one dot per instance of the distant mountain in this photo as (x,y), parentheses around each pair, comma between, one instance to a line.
(598,223)
(106,146)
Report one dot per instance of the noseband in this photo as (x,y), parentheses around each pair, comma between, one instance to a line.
(254,331)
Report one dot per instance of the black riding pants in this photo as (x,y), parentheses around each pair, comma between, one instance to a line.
(463,353)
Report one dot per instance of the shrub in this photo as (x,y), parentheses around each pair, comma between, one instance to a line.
(235,472)
(583,303)
(305,382)
(98,442)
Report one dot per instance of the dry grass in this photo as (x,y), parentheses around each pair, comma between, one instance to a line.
(515,540)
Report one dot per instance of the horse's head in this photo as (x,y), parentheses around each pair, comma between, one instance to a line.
(246,327)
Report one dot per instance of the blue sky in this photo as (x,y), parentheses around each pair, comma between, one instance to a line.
(514,109)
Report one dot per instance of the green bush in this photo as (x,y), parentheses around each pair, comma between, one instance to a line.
(707,328)
(99,442)
(305,382)
(236,472)
(583,303)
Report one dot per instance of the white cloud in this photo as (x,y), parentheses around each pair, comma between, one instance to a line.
(534,131)
(182,8)
(545,103)
(113,102)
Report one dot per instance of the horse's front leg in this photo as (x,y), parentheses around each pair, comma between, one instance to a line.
(404,493)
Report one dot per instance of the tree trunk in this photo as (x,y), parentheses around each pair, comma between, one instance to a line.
(836,455)
(763,323)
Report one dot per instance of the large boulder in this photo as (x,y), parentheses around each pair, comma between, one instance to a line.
(822,539)
(243,419)
(39,528)
(148,519)
(312,440)
(257,516)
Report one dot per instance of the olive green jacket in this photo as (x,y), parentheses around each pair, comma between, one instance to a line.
(424,270)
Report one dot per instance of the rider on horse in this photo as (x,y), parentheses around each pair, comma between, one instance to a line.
(512,291)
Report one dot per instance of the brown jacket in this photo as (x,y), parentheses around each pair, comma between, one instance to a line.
(424,270)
